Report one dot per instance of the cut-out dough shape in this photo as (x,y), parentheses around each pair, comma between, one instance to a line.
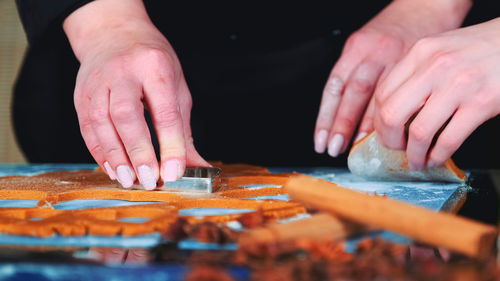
(371,160)
(58,188)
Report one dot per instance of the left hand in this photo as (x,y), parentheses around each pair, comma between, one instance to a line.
(451,77)
(368,54)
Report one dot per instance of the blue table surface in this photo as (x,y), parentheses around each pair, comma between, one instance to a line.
(434,196)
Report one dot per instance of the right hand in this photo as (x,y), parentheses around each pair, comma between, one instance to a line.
(128,65)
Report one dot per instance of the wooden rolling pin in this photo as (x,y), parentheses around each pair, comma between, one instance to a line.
(438,229)
(321,226)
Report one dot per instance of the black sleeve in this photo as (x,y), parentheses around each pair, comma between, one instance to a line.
(39,17)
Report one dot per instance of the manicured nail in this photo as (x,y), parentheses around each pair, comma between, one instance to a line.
(125,176)
(109,170)
(431,164)
(335,145)
(320,142)
(171,170)
(360,136)
(147,177)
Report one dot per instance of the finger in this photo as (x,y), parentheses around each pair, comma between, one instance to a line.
(422,130)
(357,94)
(97,254)
(193,158)
(92,144)
(115,255)
(395,77)
(465,120)
(332,94)
(81,105)
(137,256)
(161,97)
(392,115)
(127,114)
(108,139)
(366,125)
(328,108)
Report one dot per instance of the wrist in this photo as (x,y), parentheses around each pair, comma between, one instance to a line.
(437,16)
(415,19)
(101,22)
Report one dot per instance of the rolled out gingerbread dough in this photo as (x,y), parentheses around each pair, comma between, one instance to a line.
(371,160)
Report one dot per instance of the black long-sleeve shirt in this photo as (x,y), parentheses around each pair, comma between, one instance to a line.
(256,70)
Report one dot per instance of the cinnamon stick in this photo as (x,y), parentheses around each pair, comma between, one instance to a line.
(323,226)
(459,234)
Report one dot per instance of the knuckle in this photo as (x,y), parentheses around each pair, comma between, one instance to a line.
(380,97)
(389,43)
(486,100)
(423,46)
(113,150)
(419,132)
(167,117)
(95,149)
(447,143)
(346,124)
(123,111)
(189,140)
(164,63)
(468,76)
(96,74)
(167,77)
(98,115)
(362,86)
(157,55)
(137,152)
(388,117)
(188,102)
(352,40)
(442,60)
(81,96)
(333,87)
(85,125)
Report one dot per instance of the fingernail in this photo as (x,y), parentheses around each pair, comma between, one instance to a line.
(147,177)
(335,145)
(109,171)
(125,176)
(431,163)
(171,170)
(360,136)
(320,142)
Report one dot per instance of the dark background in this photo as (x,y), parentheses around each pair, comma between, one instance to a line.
(256,72)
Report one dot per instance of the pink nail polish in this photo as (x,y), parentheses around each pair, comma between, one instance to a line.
(109,171)
(320,142)
(125,176)
(335,145)
(171,170)
(147,177)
